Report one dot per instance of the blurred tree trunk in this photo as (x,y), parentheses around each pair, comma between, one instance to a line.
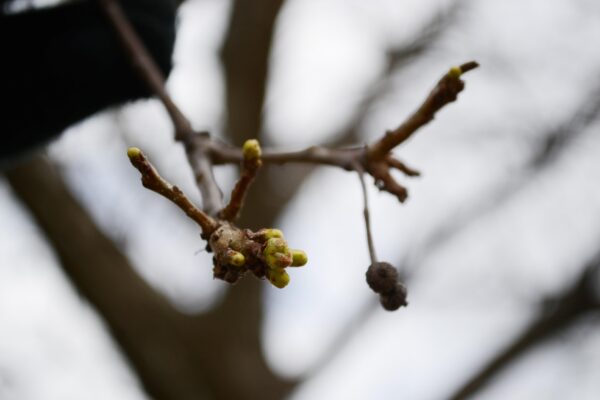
(215,355)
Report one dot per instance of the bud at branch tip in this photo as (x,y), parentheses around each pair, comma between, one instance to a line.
(299,258)
(133,152)
(455,72)
(278,277)
(251,150)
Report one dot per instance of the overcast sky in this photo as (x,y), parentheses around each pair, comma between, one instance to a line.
(516,234)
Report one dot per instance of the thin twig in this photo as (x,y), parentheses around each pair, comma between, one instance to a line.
(563,311)
(198,155)
(195,144)
(375,159)
(446,91)
(366,215)
(145,65)
(250,167)
(153,181)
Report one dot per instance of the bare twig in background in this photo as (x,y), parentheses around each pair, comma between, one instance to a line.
(150,332)
(579,299)
(145,65)
(440,23)
(553,144)
(557,139)
(245,54)
(545,153)
(375,160)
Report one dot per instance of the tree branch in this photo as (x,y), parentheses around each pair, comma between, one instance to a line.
(446,91)
(153,181)
(581,298)
(376,158)
(250,166)
(194,143)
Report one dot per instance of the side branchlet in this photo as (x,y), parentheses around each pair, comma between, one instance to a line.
(251,163)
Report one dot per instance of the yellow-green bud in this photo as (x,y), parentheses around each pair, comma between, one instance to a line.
(455,72)
(236,258)
(299,258)
(133,152)
(251,149)
(273,233)
(278,277)
(277,254)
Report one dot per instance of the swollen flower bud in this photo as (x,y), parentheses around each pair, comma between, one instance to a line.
(235,258)
(278,277)
(299,258)
(273,233)
(251,149)
(133,152)
(455,72)
(277,254)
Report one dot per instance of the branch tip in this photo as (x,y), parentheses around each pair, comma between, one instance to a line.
(133,152)
(455,72)
(299,258)
(251,150)
(251,163)
(468,66)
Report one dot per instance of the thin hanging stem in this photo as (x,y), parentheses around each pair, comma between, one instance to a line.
(360,171)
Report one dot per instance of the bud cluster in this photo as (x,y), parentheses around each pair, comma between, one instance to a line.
(265,253)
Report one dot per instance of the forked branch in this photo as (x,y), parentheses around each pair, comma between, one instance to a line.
(265,252)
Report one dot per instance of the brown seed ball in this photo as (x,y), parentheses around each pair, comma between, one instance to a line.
(395,299)
(382,277)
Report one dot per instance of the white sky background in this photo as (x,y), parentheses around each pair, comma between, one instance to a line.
(468,294)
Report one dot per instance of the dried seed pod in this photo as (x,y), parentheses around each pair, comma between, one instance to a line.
(395,299)
(382,277)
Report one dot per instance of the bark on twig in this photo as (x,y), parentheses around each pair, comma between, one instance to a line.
(446,91)
(153,181)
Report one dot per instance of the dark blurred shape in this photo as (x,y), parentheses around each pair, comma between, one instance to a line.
(558,138)
(382,278)
(395,299)
(62,64)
